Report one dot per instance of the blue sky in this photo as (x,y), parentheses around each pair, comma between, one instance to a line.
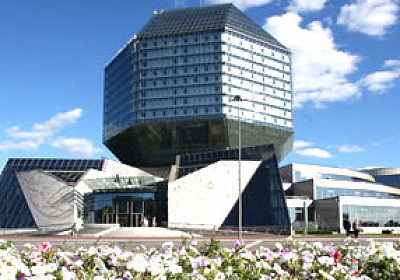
(346,69)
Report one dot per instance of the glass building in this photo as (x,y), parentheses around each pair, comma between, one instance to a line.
(386,176)
(126,201)
(170,89)
(330,194)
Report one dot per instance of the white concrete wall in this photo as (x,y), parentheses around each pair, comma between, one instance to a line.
(204,198)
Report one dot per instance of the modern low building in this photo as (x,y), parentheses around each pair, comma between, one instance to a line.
(336,193)
(201,194)
(385,176)
(170,90)
(49,193)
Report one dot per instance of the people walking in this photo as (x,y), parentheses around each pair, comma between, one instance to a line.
(346,225)
(356,228)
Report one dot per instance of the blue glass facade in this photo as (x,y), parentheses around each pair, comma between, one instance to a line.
(127,208)
(390,180)
(14,210)
(373,216)
(180,73)
(323,192)
(119,88)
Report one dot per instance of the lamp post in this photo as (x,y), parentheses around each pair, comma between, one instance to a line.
(238,99)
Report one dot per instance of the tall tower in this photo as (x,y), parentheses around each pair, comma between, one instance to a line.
(170,89)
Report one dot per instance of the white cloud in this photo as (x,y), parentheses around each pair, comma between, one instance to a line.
(372,17)
(242,4)
(349,148)
(314,152)
(40,133)
(77,146)
(320,68)
(380,81)
(6,145)
(298,144)
(392,63)
(307,5)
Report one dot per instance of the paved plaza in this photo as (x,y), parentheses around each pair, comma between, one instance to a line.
(154,237)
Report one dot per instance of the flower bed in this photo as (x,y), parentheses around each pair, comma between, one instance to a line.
(289,260)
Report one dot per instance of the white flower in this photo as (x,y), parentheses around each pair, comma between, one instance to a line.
(67,275)
(326,275)
(39,270)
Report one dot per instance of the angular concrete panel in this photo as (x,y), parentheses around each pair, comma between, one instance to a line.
(50,200)
(205,198)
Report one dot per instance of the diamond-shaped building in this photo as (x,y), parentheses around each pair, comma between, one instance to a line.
(170,89)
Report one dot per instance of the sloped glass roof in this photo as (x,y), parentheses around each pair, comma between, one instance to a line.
(203,19)
(121,183)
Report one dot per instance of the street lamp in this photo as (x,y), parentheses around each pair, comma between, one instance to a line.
(238,98)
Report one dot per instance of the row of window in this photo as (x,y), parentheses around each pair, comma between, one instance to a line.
(179,81)
(323,192)
(196,49)
(179,61)
(253,55)
(153,43)
(179,70)
(176,112)
(258,42)
(373,216)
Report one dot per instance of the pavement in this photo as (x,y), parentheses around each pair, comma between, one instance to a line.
(131,238)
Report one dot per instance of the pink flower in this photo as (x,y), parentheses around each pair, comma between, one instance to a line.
(337,256)
(44,247)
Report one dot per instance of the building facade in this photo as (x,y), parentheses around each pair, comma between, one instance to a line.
(170,90)
(386,176)
(321,197)
(54,194)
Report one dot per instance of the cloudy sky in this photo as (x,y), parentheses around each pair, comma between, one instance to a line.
(346,70)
